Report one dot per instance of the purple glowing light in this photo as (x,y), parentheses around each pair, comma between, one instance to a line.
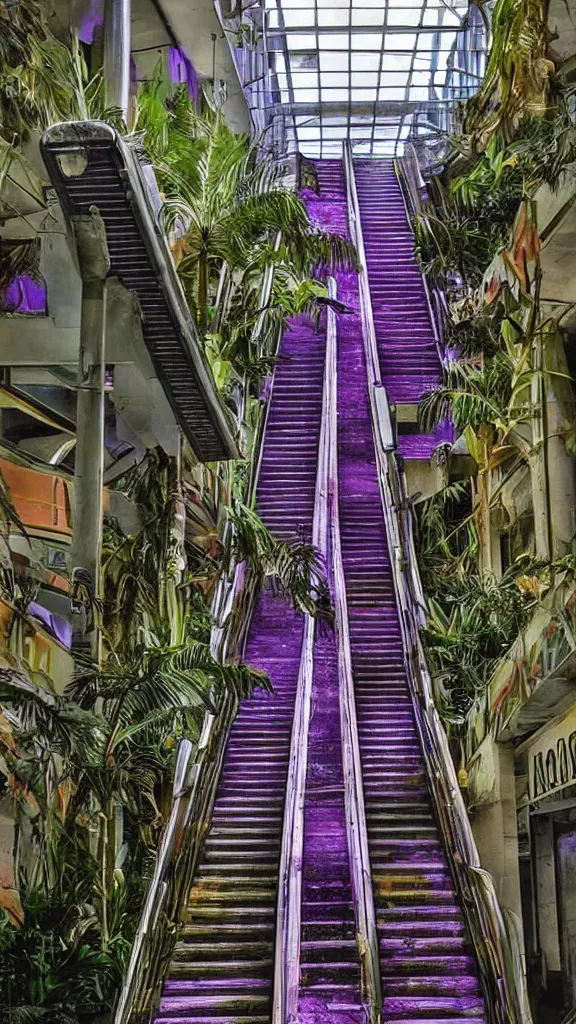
(92,21)
(181,71)
(56,625)
(24,295)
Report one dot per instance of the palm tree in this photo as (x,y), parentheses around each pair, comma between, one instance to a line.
(106,745)
(230,201)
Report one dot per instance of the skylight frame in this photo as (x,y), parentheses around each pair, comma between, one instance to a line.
(338,94)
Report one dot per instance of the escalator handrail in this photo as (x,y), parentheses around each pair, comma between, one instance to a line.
(357,836)
(496,948)
(190,758)
(289,904)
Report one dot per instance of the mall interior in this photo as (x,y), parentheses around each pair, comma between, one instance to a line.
(287,511)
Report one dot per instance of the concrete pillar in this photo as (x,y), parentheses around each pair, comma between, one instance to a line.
(495,829)
(561,481)
(547,912)
(86,545)
(495,545)
(566,865)
(117,54)
(539,460)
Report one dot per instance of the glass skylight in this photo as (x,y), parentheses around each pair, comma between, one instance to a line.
(374,71)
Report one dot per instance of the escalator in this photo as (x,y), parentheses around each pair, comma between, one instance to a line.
(223,966)
(402,321)
(330,887)
(427,970)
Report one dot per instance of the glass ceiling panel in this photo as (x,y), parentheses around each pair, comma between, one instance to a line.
(375,71)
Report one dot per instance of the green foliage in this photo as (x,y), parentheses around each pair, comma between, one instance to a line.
(472,395)
(473,617)
(52,969)
(517,82)
(227,202)
(467,634)
(294,567)
(43,81)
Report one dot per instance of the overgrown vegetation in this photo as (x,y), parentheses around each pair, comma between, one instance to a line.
(89,764)
(43,81)
(232,222)
(477,239)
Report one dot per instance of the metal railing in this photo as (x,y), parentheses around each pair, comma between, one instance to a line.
(289,906)
(194,788)
(496,945)
(357,837)
(413,186)
(196,777)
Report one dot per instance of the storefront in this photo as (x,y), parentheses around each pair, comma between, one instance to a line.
(546,774)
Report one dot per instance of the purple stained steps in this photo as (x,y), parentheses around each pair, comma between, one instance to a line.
(222,971)
(428,972)
(330,970)
(409,358)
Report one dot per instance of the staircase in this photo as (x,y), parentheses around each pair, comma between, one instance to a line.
(409,357)
(222,970)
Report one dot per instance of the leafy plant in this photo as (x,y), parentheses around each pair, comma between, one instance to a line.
(467,635)
(226,203)
(517,82)
(43,81)
(293,566)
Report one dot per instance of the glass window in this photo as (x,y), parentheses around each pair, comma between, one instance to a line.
(305,79)
(399,78)
(396,62)
(364,51)
(309,133)
(299,19)
(331,95)
(365,61)
(367,41)
(300,42)
(306,95)
(400,41)
(335,133)
(364,95)
(370,16)
(390,93)
(334,61)
(333,41)
(334,79)
(337,17)
(409,17)
(365,79)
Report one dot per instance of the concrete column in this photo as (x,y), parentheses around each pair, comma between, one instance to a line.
(117,54)
(539,460)
(566,862)
(495,828)
(89,461)
(549,938)
(561,481)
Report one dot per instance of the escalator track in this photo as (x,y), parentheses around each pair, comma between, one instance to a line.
(427,969)
(223,967)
